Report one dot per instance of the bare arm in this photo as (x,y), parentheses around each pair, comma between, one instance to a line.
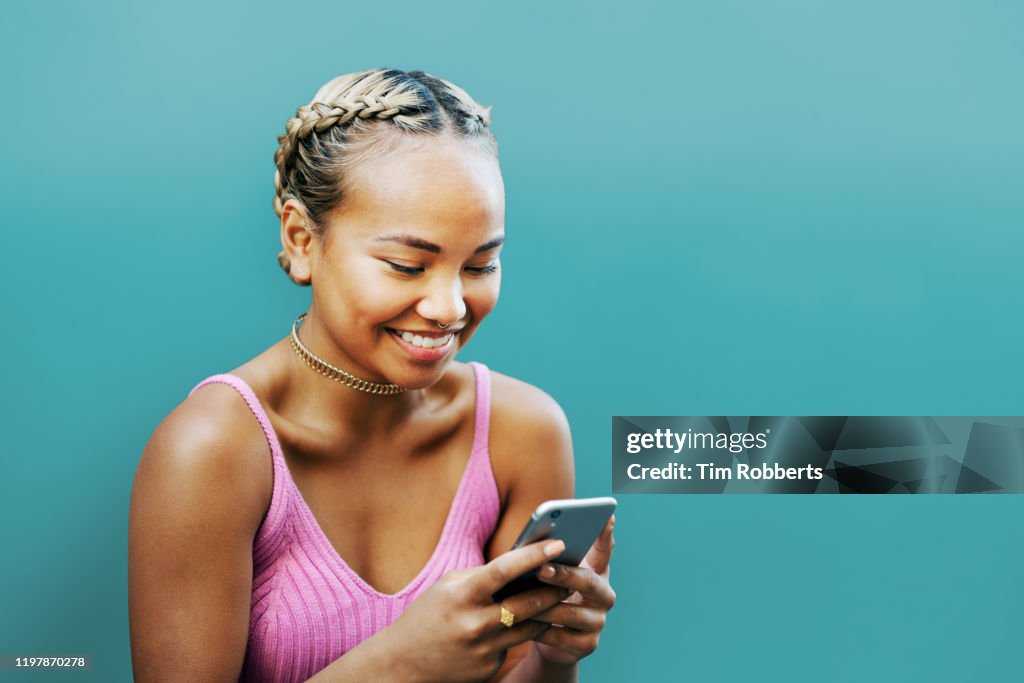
(531,450)
(200,492)
(539,467)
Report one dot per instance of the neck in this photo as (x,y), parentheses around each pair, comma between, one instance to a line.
(337,374)
(310,396)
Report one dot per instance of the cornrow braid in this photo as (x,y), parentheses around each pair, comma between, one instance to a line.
(349,119)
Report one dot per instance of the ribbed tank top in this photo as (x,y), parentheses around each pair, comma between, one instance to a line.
(308,606)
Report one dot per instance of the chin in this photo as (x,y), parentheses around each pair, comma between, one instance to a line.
(406,370)
(423,378)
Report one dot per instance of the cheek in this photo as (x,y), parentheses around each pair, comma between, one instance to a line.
(483,296)
(383,301)
(359,295)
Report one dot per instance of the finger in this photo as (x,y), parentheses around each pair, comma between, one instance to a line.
(511,565)
(525,605)
(583,580)
(600,554)
(576,643)
(574,615)
(520,633)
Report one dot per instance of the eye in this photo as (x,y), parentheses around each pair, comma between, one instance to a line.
(405,270)
(483,270)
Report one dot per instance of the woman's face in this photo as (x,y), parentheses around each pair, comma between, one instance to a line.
(414,244)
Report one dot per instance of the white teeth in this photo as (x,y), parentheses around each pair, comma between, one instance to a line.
(424,342)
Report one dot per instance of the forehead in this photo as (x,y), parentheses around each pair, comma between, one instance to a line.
(434,188)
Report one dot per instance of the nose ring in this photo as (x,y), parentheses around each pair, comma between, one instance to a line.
(440,325)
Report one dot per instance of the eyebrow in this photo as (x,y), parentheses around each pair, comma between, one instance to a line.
(417,243)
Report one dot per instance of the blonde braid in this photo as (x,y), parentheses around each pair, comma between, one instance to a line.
(366,95)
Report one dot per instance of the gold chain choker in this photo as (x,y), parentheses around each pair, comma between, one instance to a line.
(337,374)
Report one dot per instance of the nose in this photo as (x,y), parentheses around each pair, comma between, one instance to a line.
(443,302)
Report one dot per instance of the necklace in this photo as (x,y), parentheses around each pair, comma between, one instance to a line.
(337,374)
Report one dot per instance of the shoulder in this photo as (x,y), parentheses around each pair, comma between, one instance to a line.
(530,439)
(523,407)
(212,447)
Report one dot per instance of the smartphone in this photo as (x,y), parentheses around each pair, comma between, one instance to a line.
(575,522)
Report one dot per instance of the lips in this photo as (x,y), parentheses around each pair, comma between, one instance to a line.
(426,340)
(422,345)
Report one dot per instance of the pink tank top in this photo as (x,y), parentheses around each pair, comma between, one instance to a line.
(308,606)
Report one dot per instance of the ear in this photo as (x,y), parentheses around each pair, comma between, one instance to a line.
(297,241)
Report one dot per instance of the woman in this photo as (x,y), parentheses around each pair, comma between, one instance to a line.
(344,533)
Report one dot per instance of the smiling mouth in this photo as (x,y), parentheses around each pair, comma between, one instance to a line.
(427,344)
(423,340)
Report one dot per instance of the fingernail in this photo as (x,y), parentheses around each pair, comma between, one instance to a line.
(554,549)
(547,571)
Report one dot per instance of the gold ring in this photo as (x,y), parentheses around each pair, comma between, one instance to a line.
(507,618)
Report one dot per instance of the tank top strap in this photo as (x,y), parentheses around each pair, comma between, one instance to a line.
(481,501)
(482,416)
(270,527)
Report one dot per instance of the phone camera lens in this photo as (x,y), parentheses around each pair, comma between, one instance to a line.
(555,514)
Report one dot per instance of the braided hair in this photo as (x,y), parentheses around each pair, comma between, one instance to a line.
(354,117)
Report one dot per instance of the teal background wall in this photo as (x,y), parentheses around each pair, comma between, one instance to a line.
(714,207)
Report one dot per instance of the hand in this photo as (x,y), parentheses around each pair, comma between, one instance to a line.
(577,621)
(453,631)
